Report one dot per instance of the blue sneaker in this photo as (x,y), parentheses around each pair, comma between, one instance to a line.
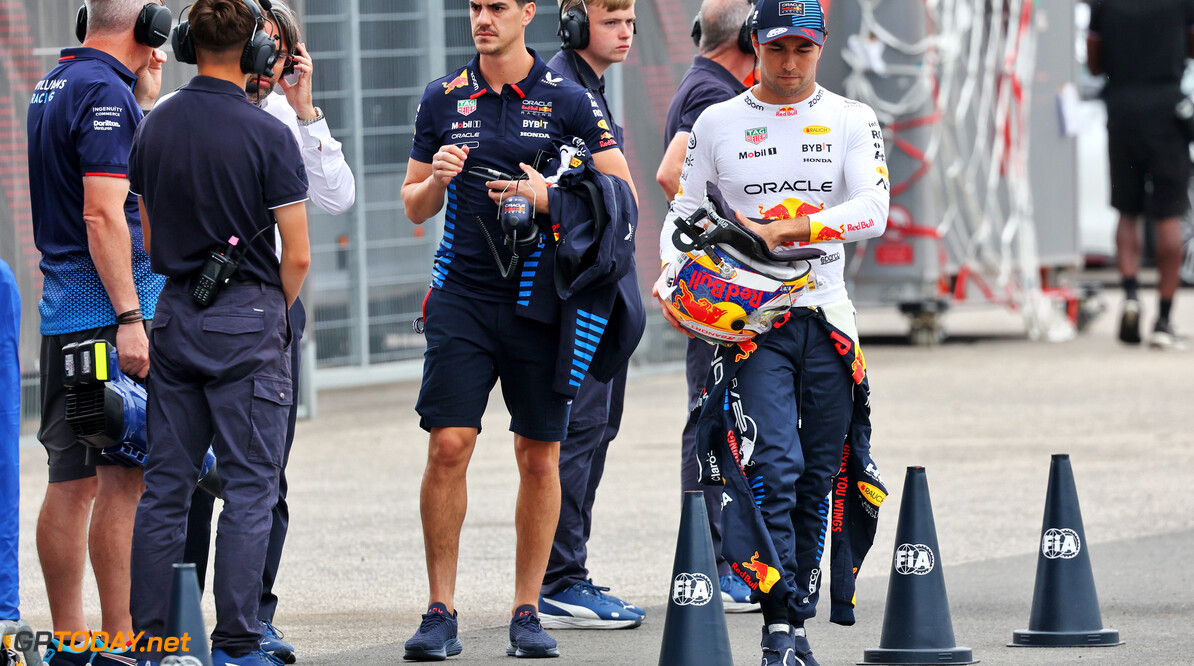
(58,655)
(255,658)
(625,604)
(527,638)
(735,595)
(585,606)
(113,658)
(436,638)
(271,642)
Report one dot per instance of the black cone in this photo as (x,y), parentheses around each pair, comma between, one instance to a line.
(917,628)
(186,615)
(694,631)
(1065,607)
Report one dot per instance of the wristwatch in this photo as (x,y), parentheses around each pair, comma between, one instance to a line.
(318,117)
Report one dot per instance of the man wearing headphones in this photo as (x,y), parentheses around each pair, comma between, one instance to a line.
(222,339)
(285,93)
(475,130)
(595,35)
(726,59)
(98,284)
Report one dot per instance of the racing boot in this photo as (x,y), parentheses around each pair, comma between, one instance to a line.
(779,648)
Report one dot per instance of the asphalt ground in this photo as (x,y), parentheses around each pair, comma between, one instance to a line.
(982,413)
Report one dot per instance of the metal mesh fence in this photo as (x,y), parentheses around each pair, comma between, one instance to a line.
(370,266)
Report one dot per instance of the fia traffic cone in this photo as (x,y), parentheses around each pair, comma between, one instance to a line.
(694,631)
(1065,607)
(186,616)
(917,628)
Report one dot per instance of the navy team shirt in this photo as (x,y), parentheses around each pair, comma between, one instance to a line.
(217,180)
(500,129)
(81,121)
(704,84)
(573,67)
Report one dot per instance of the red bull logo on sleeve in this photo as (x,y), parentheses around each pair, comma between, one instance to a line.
(767,575)
(460,81)
(821,233)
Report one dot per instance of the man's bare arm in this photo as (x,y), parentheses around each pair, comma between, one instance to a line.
(672,165)
(613,163)
(111,250)
(426,184)
(296,248)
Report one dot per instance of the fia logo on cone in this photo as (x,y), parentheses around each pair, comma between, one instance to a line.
(692,589)
(1060,543)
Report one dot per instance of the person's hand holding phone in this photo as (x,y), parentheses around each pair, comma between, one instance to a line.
(296,82)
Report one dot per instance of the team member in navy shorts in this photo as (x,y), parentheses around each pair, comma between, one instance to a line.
(497,112)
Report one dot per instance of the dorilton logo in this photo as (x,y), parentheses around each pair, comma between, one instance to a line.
(757,135)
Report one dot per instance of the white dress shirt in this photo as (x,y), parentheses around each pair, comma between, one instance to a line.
(331,185)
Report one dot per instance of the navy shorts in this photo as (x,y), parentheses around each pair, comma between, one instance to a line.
(471,344)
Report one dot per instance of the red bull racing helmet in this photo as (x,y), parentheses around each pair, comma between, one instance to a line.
(729,287)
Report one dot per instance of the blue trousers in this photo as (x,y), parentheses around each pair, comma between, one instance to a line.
(10,433)
(797,401)
(203,504)
(594,421)
(697,358)
(219,376)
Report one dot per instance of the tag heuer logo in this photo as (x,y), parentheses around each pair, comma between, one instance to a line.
(466,106)
(757,135)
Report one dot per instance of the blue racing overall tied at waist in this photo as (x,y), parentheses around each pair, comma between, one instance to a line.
(724,443)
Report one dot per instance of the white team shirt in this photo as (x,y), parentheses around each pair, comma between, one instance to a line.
(822,157)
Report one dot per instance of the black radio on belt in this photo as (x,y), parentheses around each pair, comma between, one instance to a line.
(218,269)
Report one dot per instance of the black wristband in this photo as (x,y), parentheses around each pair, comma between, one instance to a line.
(130,317)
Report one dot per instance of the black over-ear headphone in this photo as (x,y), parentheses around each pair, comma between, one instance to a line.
(574,27)
(744,42)
(151,29)
(260,52)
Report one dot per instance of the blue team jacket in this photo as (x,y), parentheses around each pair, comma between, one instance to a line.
(588,284)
